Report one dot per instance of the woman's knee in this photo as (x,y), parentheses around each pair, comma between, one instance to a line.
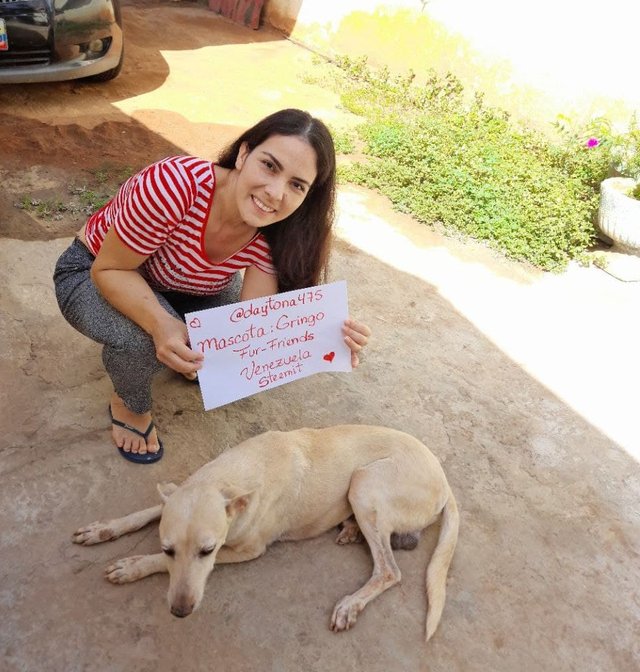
(128,339)
(136,361)
(72,271)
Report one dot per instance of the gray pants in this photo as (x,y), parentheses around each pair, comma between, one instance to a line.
(129,354)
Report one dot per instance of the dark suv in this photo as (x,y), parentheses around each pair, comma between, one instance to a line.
(55,40)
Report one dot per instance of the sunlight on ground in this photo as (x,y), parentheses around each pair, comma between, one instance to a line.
(201,93)
(187,69)
(581,361)
(571,48)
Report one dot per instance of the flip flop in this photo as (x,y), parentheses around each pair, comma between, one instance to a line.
(138,458)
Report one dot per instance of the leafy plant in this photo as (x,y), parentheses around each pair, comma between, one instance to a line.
(90,200)
(43,209)
(623,146)
(619,150)
(109,173)
(343,141)
(87,199)
(449,159)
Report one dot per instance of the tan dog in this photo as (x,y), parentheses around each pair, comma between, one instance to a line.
(296,485)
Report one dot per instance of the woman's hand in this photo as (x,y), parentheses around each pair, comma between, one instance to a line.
(171,340)
(356,336)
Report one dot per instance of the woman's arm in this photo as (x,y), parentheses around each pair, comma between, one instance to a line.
(115,274)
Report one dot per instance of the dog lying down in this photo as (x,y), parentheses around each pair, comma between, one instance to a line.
(379,483)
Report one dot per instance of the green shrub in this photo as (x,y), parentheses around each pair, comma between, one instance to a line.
(343,141)
(445,159)
(621,147)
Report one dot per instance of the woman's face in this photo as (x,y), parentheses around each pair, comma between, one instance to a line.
(274,178)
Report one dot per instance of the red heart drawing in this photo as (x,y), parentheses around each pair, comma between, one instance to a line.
(195,323)
(329,356)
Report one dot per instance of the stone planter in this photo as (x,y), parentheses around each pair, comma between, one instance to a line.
(619,215)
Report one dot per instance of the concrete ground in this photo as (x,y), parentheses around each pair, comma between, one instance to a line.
(525,385)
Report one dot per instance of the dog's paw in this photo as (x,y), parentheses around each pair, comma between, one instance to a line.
(94,533)
(350,533)
(125,570)
(345,614)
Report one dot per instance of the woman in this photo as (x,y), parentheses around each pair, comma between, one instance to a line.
(174,239)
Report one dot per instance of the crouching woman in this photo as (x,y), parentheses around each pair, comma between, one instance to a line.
(187,234)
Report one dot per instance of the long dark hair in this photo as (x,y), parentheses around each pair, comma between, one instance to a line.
(300,244)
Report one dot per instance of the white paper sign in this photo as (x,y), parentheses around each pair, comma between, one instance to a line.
(260,344)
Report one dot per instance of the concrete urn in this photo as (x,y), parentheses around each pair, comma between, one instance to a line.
(619,214)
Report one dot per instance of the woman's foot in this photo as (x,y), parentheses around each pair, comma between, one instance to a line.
(125,439)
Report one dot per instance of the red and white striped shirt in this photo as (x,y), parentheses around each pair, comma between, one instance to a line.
(162,212)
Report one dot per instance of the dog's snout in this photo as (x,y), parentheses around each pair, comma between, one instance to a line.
(181,610)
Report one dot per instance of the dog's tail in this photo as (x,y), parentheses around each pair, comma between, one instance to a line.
(439,564)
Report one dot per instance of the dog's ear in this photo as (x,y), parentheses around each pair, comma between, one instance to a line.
(236,501)
(166,490)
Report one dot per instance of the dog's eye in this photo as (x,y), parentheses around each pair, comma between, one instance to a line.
(169,551)
(206,551)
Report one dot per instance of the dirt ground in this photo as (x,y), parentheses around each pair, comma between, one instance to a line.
(523,384)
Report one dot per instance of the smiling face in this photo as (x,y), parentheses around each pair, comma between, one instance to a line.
(274,178)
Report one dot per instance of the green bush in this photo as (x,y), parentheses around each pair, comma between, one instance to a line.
(622,147)
(445,159)
(343,141)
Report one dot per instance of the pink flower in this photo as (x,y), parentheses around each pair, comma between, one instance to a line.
(593,142)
